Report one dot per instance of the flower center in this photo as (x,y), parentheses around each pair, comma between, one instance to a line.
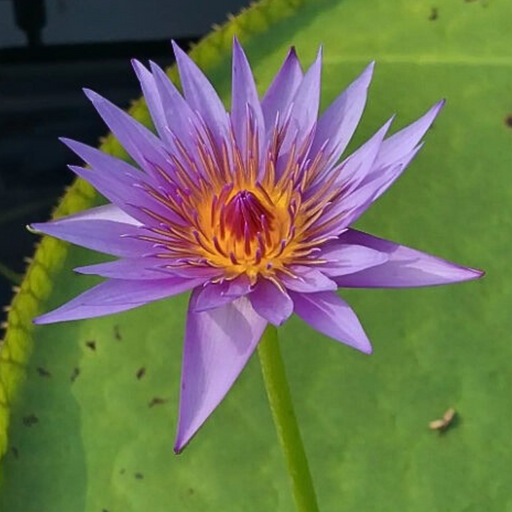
(246,217)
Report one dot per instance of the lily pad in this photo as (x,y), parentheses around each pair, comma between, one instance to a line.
(92,405)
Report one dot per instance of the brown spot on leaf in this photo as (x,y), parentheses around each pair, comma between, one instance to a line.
(508,120)
(91,344)
(157,401)
(122,471)
(141,372)
(74,374)
(117,333)
(15,452)
(139,476)
(30,420)
(43,372)
(434,14)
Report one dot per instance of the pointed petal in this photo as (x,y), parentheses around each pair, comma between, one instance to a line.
(307,280)
(356,203)
(120,183)
(403,142)
(270,302)
(283,88)
(102,161)
(179,116)
(245,100)
(332,316)
(114,296)
(201,95)
(339,122)
(397,152)
(127,192)
(105,229)
(405,267)
(146,268)
(302,115)
(386,177)
(357,195)
(343,258)
(307,99)
(152,98)
(142,145)
(356,167)
(218,344)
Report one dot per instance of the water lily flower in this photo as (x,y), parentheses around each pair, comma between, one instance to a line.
(249,209)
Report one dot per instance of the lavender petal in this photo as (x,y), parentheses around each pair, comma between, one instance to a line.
(218,344)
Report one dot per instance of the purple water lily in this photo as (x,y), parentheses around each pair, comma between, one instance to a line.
(251,210)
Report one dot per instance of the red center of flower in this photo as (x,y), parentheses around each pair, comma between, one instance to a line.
(245,216)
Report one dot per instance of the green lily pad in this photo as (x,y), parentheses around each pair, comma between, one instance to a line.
(92,405)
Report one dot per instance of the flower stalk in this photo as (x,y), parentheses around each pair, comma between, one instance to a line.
(287,428)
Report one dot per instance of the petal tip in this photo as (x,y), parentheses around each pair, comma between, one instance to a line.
(477,273)
(368,72)
(436,109)
(367,349)
(40,320)
(138,67)
(178,52)
(236,42)
(31,229)
(91,95)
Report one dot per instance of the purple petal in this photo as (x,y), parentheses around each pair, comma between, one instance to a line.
(283,88)
(307,98)
(304,105)
(356,197)
(343,258)
(244,100)
(303,113)
(403,142)
(127,192)
(307,280)
(146,268)
(270,302)
(332,316)
(214,295)
(102,161)
(356,203)
(356,167)
(338,123)
(218,344)
(152,98)
(116,295)
(404,268)
(387,176)
(239,286)
(179,116)
(120,183)
(144,147)
(397,152)
(105,228)
(201,95)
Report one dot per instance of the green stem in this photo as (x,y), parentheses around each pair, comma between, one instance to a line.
(288,432)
